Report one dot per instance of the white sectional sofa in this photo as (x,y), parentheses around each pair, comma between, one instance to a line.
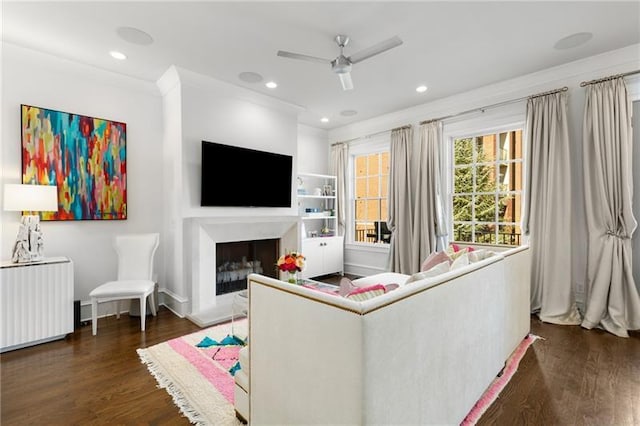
(421,354)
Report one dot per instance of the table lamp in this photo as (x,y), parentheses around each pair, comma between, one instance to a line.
(29,245)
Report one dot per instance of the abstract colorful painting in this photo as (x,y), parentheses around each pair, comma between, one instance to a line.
(85,157)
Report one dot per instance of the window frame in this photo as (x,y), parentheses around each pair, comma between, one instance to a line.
(364,146)
(495,123)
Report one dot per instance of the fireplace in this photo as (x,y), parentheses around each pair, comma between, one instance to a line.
(237,259)
(210,305)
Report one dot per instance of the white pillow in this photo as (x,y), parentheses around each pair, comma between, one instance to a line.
(460,261)
(440,268)
(478,255)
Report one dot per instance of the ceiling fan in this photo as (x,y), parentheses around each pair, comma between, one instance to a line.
(342,64)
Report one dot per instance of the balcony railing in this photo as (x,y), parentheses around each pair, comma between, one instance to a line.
(489,237)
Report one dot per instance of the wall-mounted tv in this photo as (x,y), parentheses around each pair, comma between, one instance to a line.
(233,176)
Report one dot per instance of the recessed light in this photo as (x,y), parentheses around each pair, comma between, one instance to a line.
(348,112)
(421,89)
(118,55)
(324,119)
(271,85)
(573,40)
(250,77)
(134,35)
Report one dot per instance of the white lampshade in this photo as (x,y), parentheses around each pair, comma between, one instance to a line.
(33,198)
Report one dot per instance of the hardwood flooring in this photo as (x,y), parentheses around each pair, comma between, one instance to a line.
(572,377)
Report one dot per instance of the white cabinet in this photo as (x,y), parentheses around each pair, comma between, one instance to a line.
(317,205)
(37,302)
(324,255)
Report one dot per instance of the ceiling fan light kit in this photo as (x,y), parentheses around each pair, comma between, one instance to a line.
(342,65)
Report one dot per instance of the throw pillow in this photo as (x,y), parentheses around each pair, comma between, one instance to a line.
(478,255)
(436,270)
(434,259)
(347,286)
(366,293)
(454,251)
(462,260)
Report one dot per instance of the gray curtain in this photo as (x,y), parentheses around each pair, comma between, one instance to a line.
(612,300)
(338,167)
(428,223)
(547,216)
(400,218)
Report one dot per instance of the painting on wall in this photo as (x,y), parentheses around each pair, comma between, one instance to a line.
(85,157)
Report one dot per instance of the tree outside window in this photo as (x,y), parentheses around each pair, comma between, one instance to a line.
(487,188)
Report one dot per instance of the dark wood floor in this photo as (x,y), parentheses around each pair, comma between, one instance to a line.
(572,377)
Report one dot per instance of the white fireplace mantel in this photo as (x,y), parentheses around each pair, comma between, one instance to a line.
(204,233)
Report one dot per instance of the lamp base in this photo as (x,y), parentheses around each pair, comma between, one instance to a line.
(29,245)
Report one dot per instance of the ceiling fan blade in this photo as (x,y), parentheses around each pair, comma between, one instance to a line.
(303,57)
(376,49)
(345,80)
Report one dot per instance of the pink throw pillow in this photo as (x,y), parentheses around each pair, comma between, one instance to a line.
(366,293)
(434,259)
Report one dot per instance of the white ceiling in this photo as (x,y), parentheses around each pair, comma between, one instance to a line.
(449,46)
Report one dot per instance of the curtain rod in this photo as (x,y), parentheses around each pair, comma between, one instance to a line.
(406,126)
(611,77)
(550,92)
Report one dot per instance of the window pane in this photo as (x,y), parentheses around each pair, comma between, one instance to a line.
(373,186)
(518,144)
(485,178)
(485,208)
(385,163)
(361,166)
(463,180)
(510,176)
(373,210)
(462,207)
(383,209)
(509,234)
(463,151)
(486,148)
(509,208)
(384,187)
(361,187)
(360,232)
(360,211)
(374,165)
(462,232)
(485,233)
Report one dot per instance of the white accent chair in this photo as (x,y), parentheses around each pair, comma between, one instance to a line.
(135,271)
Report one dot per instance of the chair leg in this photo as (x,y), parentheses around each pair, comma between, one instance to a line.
(152,304)
(94,315)
(143,311)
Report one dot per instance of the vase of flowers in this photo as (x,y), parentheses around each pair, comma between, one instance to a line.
(292,263)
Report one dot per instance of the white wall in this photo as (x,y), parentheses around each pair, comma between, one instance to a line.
(362,260)
(30,77)
(313,153)
(211,110)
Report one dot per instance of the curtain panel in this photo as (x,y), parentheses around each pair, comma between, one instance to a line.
(612,300)
(338,166)
(400,217)
(428,210)
(547,218)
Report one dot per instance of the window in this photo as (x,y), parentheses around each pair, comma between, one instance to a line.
(487,188)
(371,179)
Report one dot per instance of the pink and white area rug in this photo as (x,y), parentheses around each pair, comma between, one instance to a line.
(201,385)
(198,378)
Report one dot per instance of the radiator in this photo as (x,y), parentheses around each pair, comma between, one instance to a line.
(36,301)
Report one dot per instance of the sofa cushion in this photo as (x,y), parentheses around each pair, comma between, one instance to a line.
(434,259)
(383,278)
(481,254)
(440,268)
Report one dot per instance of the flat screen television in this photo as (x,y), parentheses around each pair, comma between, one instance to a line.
(241,177)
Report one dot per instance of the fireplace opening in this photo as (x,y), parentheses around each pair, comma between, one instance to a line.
(237,259)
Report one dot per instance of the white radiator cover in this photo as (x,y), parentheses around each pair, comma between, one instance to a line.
(37,302)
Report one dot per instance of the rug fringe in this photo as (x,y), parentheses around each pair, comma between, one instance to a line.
(498,384)
(164,383)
